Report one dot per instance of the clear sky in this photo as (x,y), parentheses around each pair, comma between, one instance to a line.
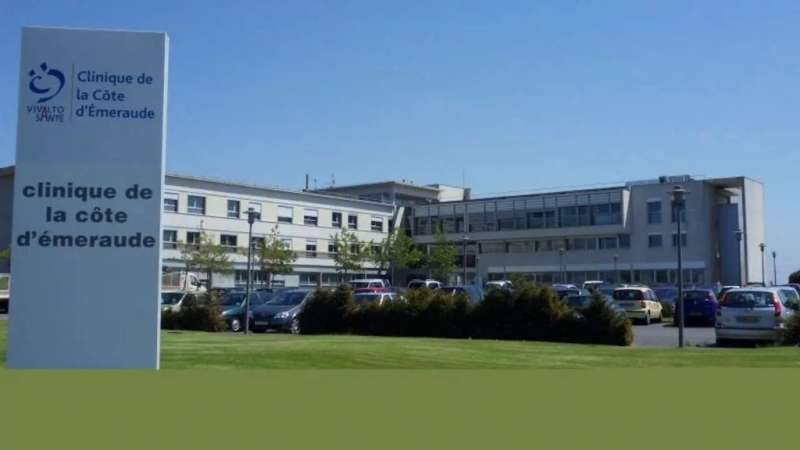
(512,95)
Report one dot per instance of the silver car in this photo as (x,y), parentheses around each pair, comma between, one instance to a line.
(755,314)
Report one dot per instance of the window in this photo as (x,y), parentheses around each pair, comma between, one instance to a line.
(376,224)
(170,202)
(332,248)
(311,248)
(197,204)
(170,239)
(255,207)
(258,243)
(310,217)
(352,221)
(287,243)
(624,241)
(655,241)
(654,212)
(355,249)
(285,214)
(192,237)
(606,243)
(684,239)
(234,208)
(675,211)
(609,214)
(376,249)
(336,220)
(228,241)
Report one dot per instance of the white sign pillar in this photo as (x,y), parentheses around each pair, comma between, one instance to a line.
(86,233)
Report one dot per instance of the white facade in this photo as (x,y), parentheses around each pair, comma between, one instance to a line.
(306,221)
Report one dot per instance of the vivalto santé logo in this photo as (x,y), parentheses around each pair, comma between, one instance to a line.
(46,82)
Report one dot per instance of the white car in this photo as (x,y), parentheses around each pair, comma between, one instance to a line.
(372,284)
(640,303)
(755,314)
(499,284)
(174,300)
(430,284)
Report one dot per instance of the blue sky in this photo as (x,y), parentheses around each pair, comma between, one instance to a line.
(513,95)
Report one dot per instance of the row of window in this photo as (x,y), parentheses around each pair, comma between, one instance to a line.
(196,204)
(654,213)
(623,275)
(551,245)
(657,240)
(521,219)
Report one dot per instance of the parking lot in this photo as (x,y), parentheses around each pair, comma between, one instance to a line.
(666,335)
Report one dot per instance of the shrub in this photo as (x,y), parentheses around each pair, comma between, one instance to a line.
(326,311)
(792,334)
(667,310)
(197,313)
(795,277)
(602,325)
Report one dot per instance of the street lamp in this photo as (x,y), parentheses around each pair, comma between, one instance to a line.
(251,218)
(561,264)
(763,246)
(678,202)
(774,268)
(616,270)
(739,237)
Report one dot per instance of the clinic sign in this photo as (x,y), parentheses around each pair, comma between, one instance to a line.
(87,199)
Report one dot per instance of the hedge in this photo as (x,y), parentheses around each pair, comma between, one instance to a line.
(200,313)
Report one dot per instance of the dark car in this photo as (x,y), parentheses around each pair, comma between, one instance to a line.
(280,313)
(233,307)
(580,302)
(565,290)
(700,306)
(473,293)
(666,294)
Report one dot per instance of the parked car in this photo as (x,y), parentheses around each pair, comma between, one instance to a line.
(579,302)
(370,285)
(699,306)
(280,312)
(755,314)
(593,284)
(233,307)
(430,284)
(640,303)
(174,300)
(381,298)
(565,290)
(474,293)
(667,295)
(499,284)
(725,289)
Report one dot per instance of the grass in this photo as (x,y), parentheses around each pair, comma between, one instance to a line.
(187,350)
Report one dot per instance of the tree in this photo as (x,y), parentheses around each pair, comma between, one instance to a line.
(349,253)
(396,252)
(274,256)
(5,254)
(205,256)
(795,277)
(442,260)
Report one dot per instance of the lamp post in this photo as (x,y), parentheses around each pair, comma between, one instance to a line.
(251,218)
(465,239)
(763,246)
(678,201)
(774,268)
(616,270)
(561,264)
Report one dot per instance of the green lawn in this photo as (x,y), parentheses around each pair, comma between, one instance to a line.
(183,350)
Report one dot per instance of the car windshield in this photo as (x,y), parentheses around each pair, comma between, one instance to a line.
(171,298)
(578,301)
(696,295)
(748,299)
(361,299)
(232,299)
(628,294)
(287,298)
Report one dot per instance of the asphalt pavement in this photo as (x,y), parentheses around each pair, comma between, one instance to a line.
(666,335)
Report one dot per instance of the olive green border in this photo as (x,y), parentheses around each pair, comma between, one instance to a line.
(409,409)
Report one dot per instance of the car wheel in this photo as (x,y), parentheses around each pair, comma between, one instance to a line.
(647,319)
(722,342)
(236,325)
(294,328)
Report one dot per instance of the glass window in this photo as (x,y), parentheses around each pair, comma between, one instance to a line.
(196,204)
(311,249)
(170,202)
(655,241)
(310,217)
(336,219)
(258,242)
(606,243)
(684,239)
(569,216)
(285,214)
(654,212)
(234,208)
(228,240)
(376,224)
(192,237)
(675,210)
(170,239)
(287,243)
(332,248)
(624,241)
(352,221)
